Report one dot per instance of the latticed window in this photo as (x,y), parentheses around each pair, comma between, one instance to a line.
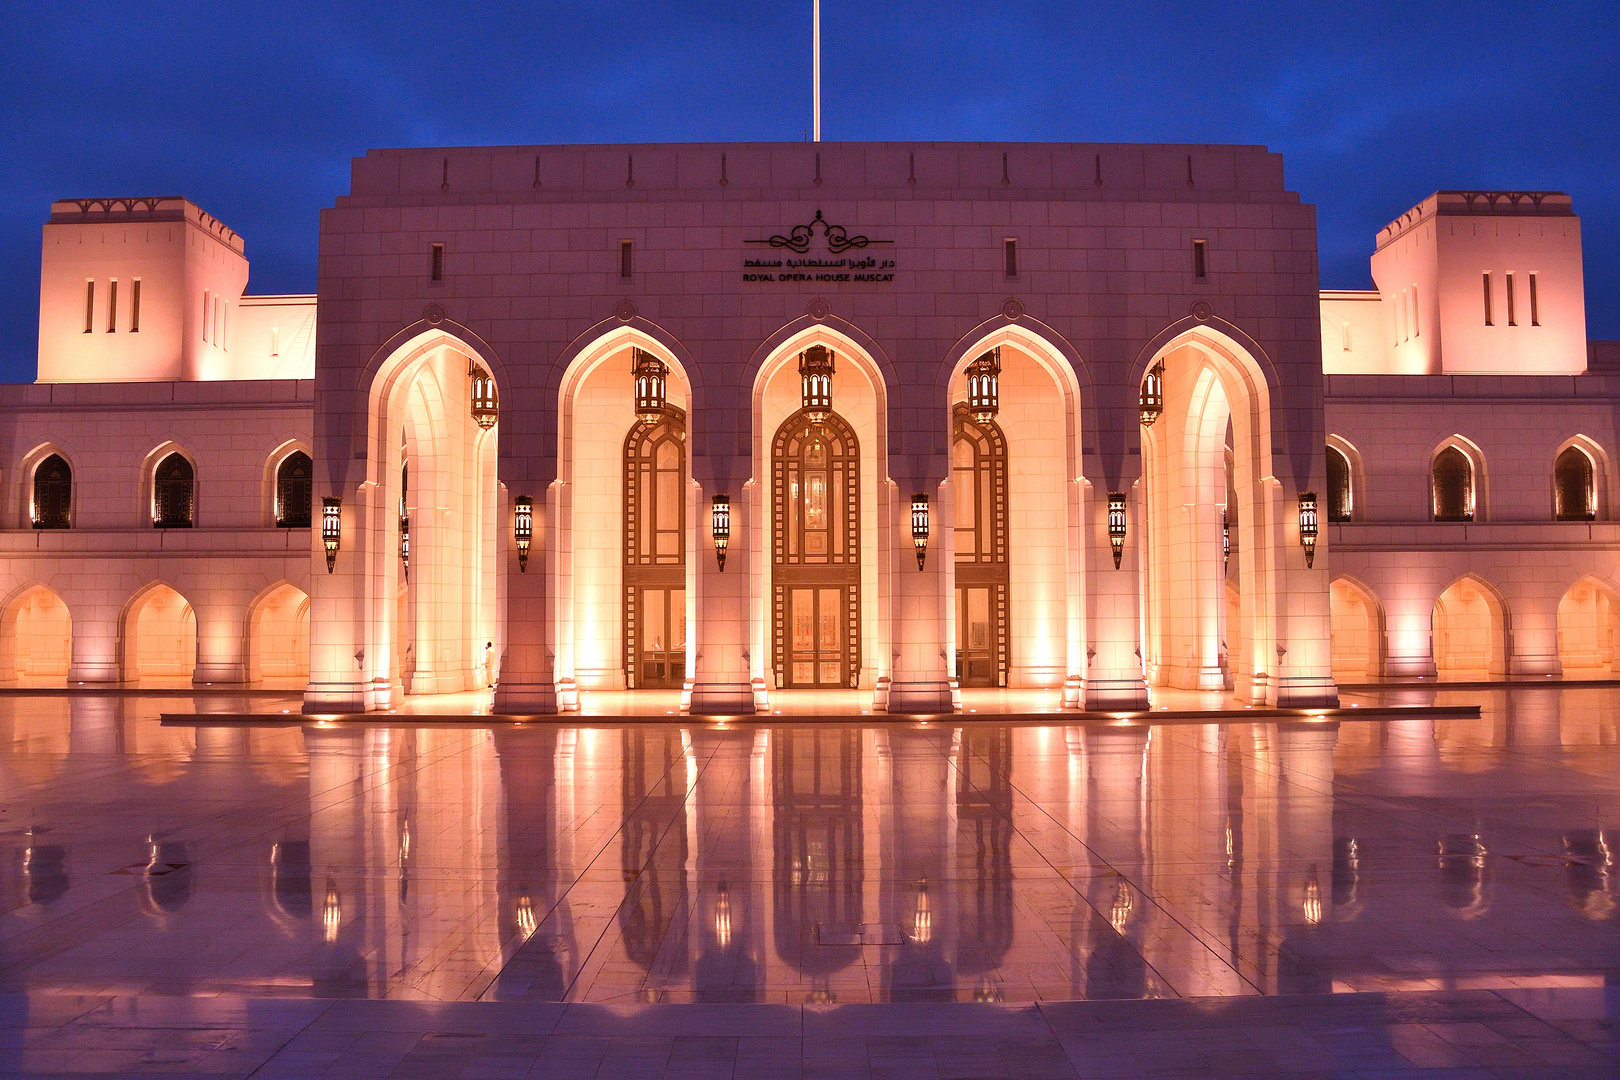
(1453,486)
(1339,503)
(655,551)
(979,486)
(1572,486)
(173,493)
(295,491)
(53,494)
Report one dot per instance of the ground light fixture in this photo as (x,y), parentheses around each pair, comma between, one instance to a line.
(1152,399)
(919,526)
(1116,525)
(486,406)
(720,527)
(523,530)
(815,382)
(1308,526)
(652,383)
(984,386)
(331,529)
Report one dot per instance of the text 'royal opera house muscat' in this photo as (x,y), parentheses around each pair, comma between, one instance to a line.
(738,420)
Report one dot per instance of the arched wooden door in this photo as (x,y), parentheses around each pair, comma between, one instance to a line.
(816,553)
(655,553)
(979,477)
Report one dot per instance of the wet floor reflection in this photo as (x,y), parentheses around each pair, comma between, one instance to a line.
(970,861)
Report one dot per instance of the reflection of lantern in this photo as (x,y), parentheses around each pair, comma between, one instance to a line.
(1307,526)
(922,924)
(1313,899)
(722,918)
(1152,401)
(405,543)
(919,526)
(523,530)
(815,377)
(486,408)
(1116,524)
(1120,913)
(720,527)
(984,386)
(331,529)
(525,917)
(1226,541)
(331,911)
(651,376)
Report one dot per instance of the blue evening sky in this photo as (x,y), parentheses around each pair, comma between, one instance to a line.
(253,110)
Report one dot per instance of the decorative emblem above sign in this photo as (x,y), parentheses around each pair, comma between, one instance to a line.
(838,238)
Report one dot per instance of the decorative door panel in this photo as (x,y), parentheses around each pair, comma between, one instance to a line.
(979,483)
(655,552)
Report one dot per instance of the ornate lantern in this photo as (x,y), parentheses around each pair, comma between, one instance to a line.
(815,377)
(1307,526)
(720,527)
(486,407)
(1226,541)
(1116,524)
(984,386)
(652,381)
(523,530)
(919,526)
(331,529)
(405,543)
(1152,403)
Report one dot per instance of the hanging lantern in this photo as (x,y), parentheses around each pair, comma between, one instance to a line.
(720,527)
(486,407)
(984,386)
(815,377)
(405,543)
(523,530)
(1116,525)
(1226,541)
(1152,402)
(1307,526)
(331,529)
(919,526)
(652,382)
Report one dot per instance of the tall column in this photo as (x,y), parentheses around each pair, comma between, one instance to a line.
(221,642)
(528,680)
(1534,639)
(1302,612)
(1114,674)
(1408,595)
(720,636)
(95,640)
(920,679)
(350,661)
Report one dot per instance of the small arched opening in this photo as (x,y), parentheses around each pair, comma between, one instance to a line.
(1470,630)
(52,505)
(36,638)
(1452,485)
(174,490)
(1586,629)
(1358,632)
(278,637)
(159,637)
(295,491)
(1574,493)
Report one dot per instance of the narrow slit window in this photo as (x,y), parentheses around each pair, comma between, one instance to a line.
(1417,326)
(208,313)
(1400,317)
(275,341)
(1009,249)
(89,304)
(627,263)
(1511,306)
(1488,321)
(135,306)
(1535,302)
(112,306)
(1201,260)
(219,321)
(1345,330)
(438,262)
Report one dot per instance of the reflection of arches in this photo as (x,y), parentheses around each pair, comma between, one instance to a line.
(655,552)
(984,813)
(653,850)
(1457,481)
(1358,631)
(1471,631)
(1586,628)
(36,636)
(979,488)
(817,854)
(278,634)
(158,633)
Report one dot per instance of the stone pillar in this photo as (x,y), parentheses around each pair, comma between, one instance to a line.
(1408,602)
(1533,630)
(95,641)
(722,683)
(221,643)
(349,665)
(1114,675)
(920,681)
(528,681)
(1302,611)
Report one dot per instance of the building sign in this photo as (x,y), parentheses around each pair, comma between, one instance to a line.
(791,261)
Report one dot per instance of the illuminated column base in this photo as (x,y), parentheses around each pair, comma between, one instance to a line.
(1307,692)
(347,696)
(1419,666)
(1528,663)
(1118,694)
(722,699)
(527,698)
(218,671)
(921,696)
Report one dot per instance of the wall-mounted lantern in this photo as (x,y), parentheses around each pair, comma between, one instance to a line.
(652,384)
(1307,526)
(919,526)
(1226,541)
(523,530)
(1152,401)
(331,529)
(984,386)
(720,527)
(486,406)
(405,544)
(815,379)
(1116,525)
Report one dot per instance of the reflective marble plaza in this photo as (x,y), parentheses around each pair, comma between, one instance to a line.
(793,862)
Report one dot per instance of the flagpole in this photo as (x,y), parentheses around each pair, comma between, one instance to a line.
(815,54)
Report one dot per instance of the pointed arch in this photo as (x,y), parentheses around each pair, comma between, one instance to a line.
(270,500)
(36,636)
(157,635)
(180,506)
(1472,630)
(1588,618)
(1358,630)
(1458,484)
(1350,504)
(28,466)
(277,626)
(1595,482)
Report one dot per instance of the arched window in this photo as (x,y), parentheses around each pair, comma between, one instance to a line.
(979,478)
(655,552)
(1572,486)
(294,491)
(1339,501)
(53,494)
(173,488)
(1453,486)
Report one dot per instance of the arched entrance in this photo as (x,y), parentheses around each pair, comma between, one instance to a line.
(36,637)
(159,636)
(655,552)
(278,635)
(1470,631)
(979,486)
(816,553)
(1358,632)
(1586,629)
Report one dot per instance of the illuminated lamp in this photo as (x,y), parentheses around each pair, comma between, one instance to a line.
(1152,400)
(722,917)
(1116,524)
(1120,914)
(331,529)
(331,912)
(486,406)
(1313,899)
(720,527)
(523,531)
(919,526)
(1307,526)
(815,379)
(652,379)
(526,922)
(984,386)
(922,923)
(405,543)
